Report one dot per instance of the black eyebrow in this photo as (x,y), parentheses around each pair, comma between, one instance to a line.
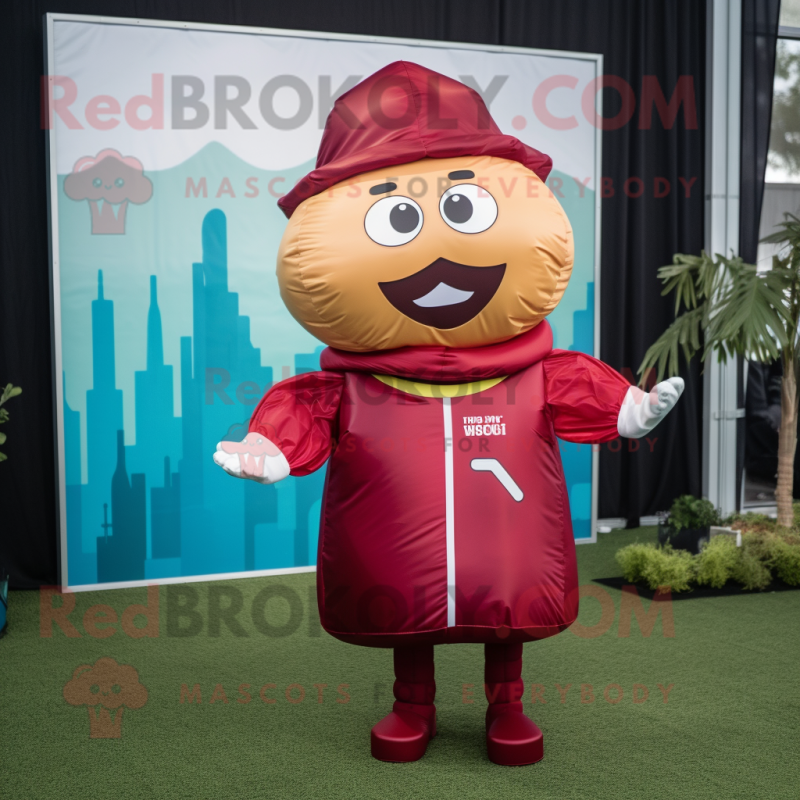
(383,188)
(460,174)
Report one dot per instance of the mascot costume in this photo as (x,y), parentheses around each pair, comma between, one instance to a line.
(426,251)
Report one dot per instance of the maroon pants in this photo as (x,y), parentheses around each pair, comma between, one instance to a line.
(414,674)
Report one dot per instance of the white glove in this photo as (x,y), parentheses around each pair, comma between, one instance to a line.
(641,412)
(255,457)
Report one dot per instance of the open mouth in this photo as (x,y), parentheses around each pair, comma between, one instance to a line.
(444,294)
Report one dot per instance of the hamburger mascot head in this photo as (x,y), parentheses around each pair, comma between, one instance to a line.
(422,223)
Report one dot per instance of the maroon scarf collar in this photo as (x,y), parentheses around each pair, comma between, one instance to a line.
(439,364)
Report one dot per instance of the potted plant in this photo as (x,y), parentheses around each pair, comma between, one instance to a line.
(687,525)
(739,311)
(8,392)
(3,602)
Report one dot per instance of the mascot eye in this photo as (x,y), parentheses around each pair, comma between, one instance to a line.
(97,183)
(119,183)
(393,221)
(468,208)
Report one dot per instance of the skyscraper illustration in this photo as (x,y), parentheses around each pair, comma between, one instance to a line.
(82,565)
(158,435)
(103,419)
(583,324)
(577,460)
(221,379)
(161,507)
(121,556)
(158,431)
(165,516)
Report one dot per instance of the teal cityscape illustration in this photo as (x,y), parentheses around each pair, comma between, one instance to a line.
(162,508)
(166,488)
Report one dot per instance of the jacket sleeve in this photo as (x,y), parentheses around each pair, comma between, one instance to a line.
(300,416)
(584,396)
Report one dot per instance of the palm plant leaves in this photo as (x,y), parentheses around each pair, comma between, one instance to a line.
(739,310)
(750,314)
(683,335)
(790,263)
(790,234)
(691,277)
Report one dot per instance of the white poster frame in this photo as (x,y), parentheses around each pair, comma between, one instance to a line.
(55,288)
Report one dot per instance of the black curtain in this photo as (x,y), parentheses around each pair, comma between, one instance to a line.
(760,20)
(665,40)
(759,41)
(660,38)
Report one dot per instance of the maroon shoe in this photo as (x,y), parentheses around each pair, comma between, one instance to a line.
(512,739)
(403,735)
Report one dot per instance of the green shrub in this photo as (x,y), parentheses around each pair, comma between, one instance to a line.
(668,567)
(657,566)
(767,550)
(692,512)
(750,569)
(717,561)
(786,559)
(761,545)
(633,559)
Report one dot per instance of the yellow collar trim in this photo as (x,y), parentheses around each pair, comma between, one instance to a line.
(438,391)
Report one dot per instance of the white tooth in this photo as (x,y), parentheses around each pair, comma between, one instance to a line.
(443,295)
(115,207)
(100,205)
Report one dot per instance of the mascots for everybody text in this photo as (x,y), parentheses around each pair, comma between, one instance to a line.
(426,252)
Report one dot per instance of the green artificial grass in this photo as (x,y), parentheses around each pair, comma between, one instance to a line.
(729,728)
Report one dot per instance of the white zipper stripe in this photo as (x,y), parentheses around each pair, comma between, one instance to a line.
(449,505)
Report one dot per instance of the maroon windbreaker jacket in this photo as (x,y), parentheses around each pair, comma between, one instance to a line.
(445,516)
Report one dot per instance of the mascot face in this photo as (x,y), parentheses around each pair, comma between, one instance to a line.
(460,252)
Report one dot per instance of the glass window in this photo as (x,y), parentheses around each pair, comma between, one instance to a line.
(782,188)
(781,194)
(790,14)
(784,142)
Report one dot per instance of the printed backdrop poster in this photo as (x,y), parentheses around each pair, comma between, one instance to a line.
(169,144)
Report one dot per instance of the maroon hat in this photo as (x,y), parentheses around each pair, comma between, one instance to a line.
(400,114)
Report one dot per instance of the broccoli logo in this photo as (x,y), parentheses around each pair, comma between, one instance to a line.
(109,181)
(106,689)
